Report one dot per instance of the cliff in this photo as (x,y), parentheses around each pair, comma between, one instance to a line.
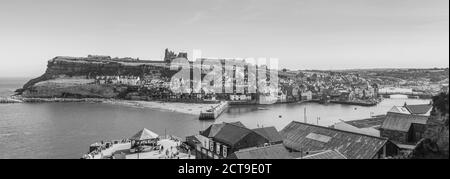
(64,76)
(94,65)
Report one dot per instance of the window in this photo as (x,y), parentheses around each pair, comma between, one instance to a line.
(206,144)
(211,145)
(217,148)
(225,152)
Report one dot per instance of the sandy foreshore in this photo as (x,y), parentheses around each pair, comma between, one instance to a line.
(186,108)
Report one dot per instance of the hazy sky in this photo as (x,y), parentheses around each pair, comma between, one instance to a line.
(303,34)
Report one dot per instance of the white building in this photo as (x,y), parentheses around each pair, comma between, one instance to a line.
(307,95)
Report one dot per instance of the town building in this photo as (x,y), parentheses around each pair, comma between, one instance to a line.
(241,97)
(304,139)
(403,128)
(271,134)
(220,140)
(306,96)
(421,109)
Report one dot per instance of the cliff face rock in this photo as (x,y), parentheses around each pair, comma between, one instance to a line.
(69,88)
(94,65)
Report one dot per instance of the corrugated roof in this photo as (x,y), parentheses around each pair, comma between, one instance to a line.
(402,122)
(329,154)
(419,109)
(351,145)
(270,133)
(269,152)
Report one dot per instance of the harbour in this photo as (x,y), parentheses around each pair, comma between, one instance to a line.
(65,130)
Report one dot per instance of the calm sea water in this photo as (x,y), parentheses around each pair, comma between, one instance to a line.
(9,85)
(65,130)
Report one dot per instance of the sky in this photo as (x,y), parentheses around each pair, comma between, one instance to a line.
(302,34)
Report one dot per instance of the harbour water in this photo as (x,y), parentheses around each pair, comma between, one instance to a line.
(65,130)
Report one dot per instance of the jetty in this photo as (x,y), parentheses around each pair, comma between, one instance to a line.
(9,100)
(214,112)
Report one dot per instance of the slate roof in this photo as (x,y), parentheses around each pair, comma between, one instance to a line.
(402,122)
(400,109)
(227,133)
(369,122)
(304,137)
(270,133)
(329,154)
(419,109)
(269,152)
(212,130)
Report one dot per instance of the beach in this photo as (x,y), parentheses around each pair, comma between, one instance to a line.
(185,108)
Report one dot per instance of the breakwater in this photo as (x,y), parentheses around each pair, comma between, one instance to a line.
(215,112)
(9,100)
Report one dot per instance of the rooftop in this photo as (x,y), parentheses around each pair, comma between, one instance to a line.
(301,137)
(270,133)
(402,122)
(269,152)
(369,122)
(419,109)
(228,133)
(329,154)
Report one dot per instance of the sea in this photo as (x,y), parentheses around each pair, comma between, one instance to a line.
(66,130)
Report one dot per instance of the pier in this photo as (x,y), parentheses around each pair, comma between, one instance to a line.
(9,100)
(214,112)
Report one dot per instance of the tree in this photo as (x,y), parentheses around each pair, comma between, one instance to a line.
(440,104)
